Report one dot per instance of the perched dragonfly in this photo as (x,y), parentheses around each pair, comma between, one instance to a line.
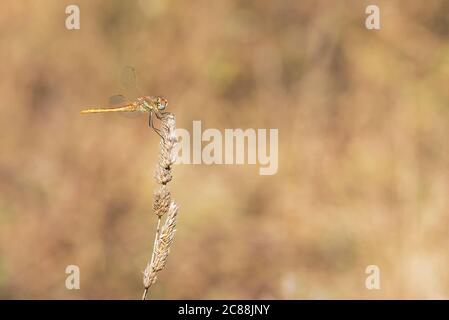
(154,105)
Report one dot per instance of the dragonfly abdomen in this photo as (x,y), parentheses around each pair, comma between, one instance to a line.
(127,108)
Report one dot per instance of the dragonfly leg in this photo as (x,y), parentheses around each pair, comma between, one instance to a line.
(159,115)
(151,124)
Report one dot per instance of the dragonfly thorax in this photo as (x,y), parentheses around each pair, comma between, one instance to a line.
(145,105)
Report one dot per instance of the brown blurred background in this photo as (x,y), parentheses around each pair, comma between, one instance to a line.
(363,153)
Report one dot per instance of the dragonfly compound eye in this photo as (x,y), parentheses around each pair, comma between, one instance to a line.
(161,104)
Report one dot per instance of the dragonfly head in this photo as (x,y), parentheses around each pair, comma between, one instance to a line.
(157,102)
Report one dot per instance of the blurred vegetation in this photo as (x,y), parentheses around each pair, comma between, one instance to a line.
(363,156)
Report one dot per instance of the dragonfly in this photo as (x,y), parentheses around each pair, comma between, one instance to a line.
(154,105)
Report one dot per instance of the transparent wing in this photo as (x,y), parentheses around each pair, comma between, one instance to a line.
(128,78)
(119,103)
(129,82)
(118,100)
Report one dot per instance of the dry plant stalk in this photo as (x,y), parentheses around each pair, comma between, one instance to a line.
(163,204)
